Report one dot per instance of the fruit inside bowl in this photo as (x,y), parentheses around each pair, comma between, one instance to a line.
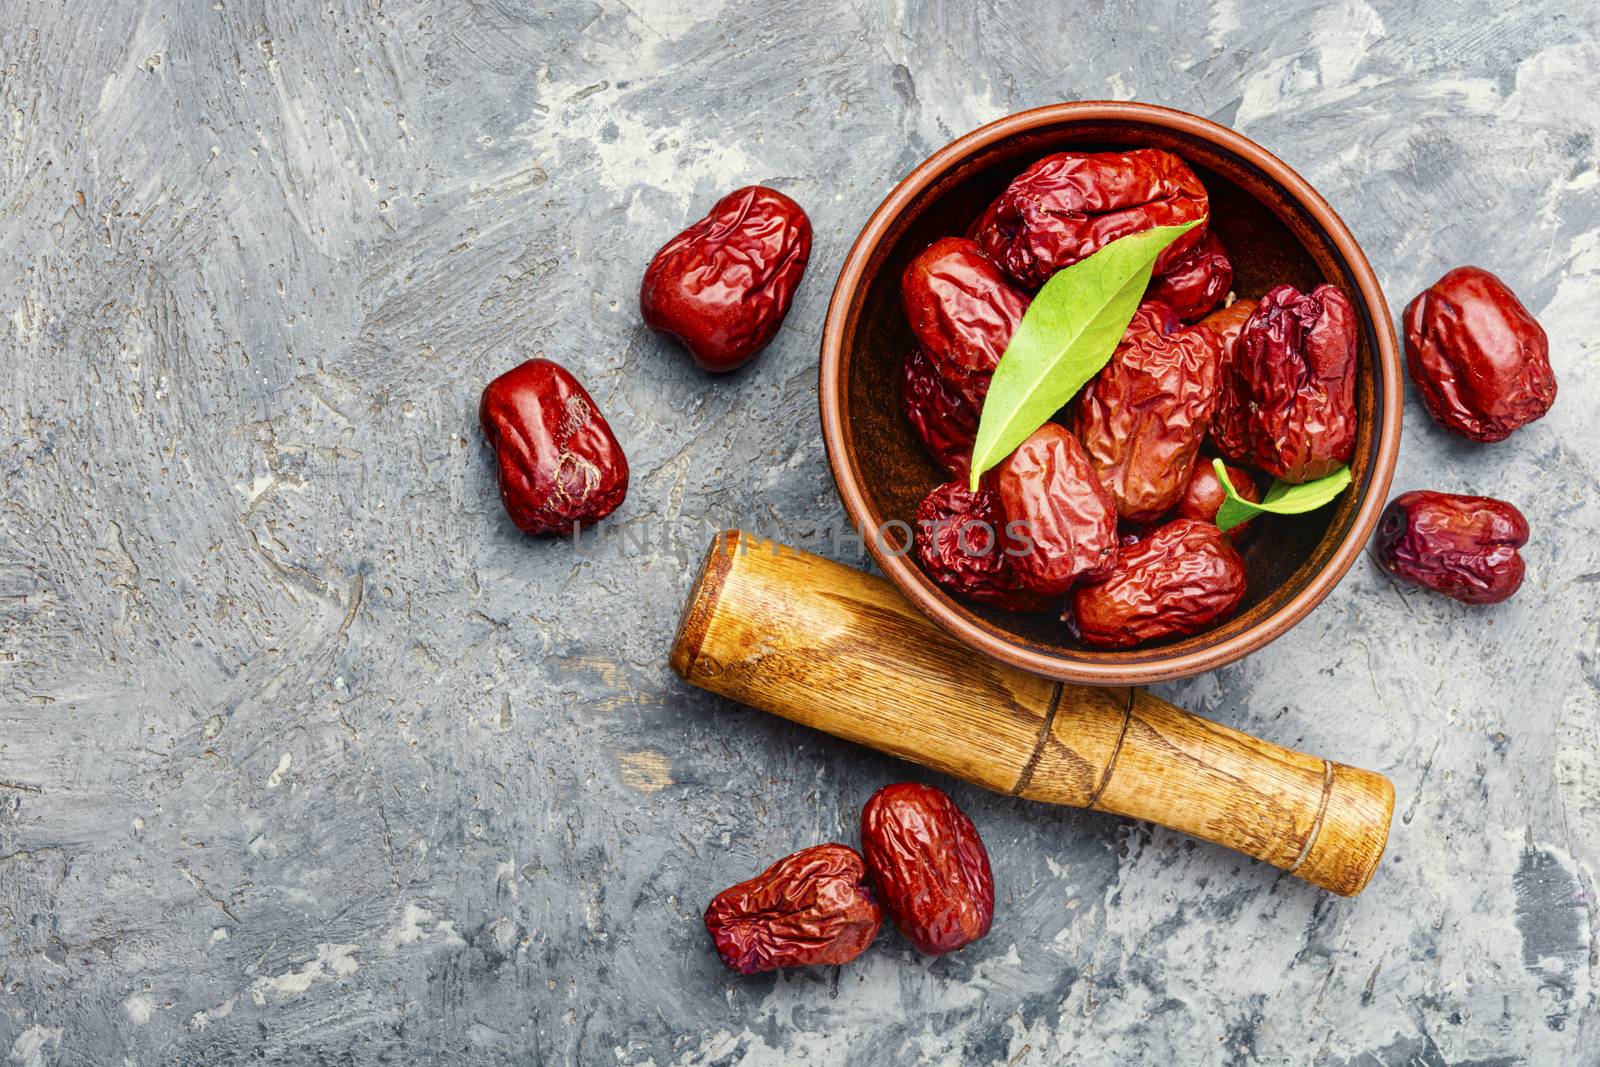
(1257,335)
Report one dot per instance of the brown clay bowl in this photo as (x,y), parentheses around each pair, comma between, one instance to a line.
(1276,228)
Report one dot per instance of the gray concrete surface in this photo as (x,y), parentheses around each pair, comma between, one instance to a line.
(306,756)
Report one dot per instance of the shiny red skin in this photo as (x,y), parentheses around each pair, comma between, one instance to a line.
(813,907)
(1228,324)
(1069,205)
(961,541)
(943,419)
(1179,579)
(929,867)
(1066,519)
(1197,283)
(1479,361)
(1462,546)
(1288,401)
(560,466)
(1143,418)
(1203,496)
(722,287)
(963,311)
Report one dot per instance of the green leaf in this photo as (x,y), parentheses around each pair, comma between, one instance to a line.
(1068,333)
(1281,499)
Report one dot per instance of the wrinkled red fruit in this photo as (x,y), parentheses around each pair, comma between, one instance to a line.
(929,867)
(560,467)
(1462,546)
(1069,205)
(944,420)
(722,287)
(813,907)
(1228,323)
(1480,362)
(1288,401)
(963,312)
(1178,580)
(1195,284)
(1064,518)
(1203,496)
(961,541)
(1143,417)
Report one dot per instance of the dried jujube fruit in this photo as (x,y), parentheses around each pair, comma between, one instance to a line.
(944,420)
(961,541)
(1070,205)
(1064,518)
(1110,503)
(1480,361)
(929,867)
(1465,547)
(1288,398)
(1203,496)
(1178,579)
(963,312)
(560,466)
(813,907)
(1143,417)
(1197,282)
(722,287)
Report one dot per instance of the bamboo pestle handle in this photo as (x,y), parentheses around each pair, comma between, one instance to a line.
(839,650)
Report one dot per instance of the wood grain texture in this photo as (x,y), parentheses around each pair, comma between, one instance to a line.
(841,651)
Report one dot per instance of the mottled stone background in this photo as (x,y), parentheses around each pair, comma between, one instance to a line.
(307,756)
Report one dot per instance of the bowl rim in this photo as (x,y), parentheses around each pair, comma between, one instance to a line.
(902,571)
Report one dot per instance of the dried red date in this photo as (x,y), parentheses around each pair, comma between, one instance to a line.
(1462,546)
(962,542)
(1228,323)
(813,907)
(944,420)
(1195,284)
(1203,496)
(1178,580)
(1288,401)
(929,867)
(1480,362)
(1069,205)
(963,312)
(722,287)
(560,466)
(1065,519)
(1143,417)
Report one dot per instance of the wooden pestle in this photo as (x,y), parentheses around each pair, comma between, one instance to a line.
(839,650)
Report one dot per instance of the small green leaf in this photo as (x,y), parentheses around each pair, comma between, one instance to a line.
(1068,333)
(1281,499)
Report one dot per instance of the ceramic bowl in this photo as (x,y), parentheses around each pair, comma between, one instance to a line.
(1276,228)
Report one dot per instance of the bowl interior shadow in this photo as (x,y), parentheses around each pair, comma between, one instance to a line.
(1270,239)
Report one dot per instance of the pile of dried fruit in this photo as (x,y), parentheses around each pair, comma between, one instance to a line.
(920,861)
